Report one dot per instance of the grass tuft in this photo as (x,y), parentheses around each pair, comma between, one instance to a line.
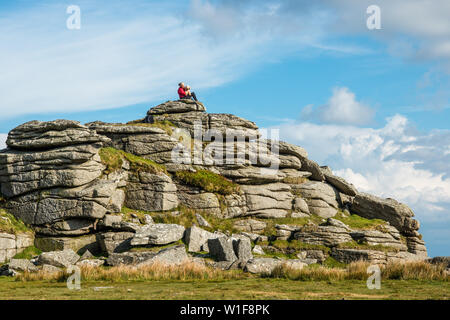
(113,160)
(28,253)
(9,224)
(208,181)
(357,222)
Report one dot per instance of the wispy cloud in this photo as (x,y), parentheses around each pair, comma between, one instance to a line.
(342,108)
(125,54)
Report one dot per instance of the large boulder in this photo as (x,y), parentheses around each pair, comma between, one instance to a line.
(322,199)
(268,201)
(60,259)
(21,265)
(174,255)
(171,256)
(151,192)
(354,255)
(78,244)
(243,248)
(22,172)
(342,185)
(145,141)
(268,265)
(313,168)
(115,242)
(329,236)
(375,237)
(221,249)
(37,135)
(180,106)
(197,239)
(158,234)
(397,214)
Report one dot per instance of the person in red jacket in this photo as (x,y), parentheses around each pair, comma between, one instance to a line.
(184,92)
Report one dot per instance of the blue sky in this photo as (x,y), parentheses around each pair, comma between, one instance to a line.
(372,104)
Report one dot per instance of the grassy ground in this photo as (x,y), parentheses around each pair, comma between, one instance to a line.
(251,288)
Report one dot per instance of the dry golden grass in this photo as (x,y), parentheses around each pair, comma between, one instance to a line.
(418,270)
(155,271)
(414,270)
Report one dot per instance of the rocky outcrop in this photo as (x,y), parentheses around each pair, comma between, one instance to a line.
(70,183)
(158,234)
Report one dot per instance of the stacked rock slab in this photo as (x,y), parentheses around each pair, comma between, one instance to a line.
(52,177)
(11,244)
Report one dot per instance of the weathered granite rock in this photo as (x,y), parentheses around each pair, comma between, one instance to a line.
(337,223)
(11,244)
(314,168)
(93,263)
(21,265)
(252,175)
(320,197)
(262,265)
(258,250)
(416,246)
(374,237)
(250,225)
(60,259)
(268,201)
(301,206)
(287,148)
(171,256)
(197,199)
(115,242)
(174,255)
(22,172)
(78,244)
(397,214)
(353,255)
(221,249)
(148,142)
(342,185)
(202,222)
(37,135)
(129,258)
(197,239)
(243,249)
(158,234)
(329,236)
(152,192)
(268,265)
(87,255)
(180,106)
(41,208)
(49,269)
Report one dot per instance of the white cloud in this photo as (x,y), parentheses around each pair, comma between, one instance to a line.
(342,108)
(389,161)
(3,137)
